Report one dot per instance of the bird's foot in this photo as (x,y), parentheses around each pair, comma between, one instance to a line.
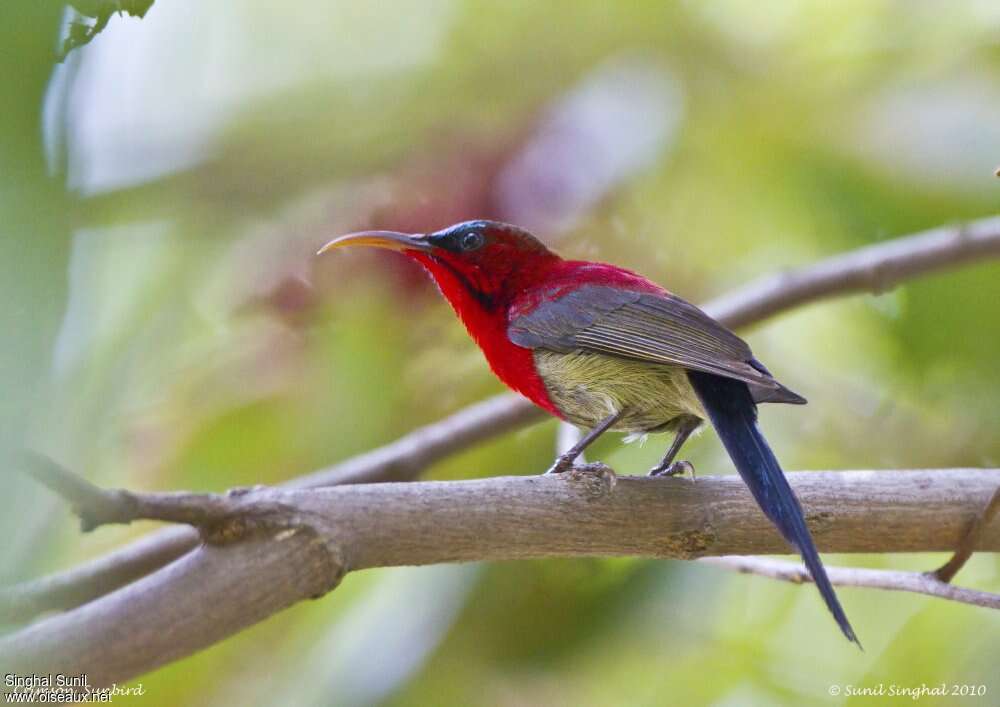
(562,464)
(595,470)
(674,469)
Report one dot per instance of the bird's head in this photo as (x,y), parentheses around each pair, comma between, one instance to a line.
(485,260)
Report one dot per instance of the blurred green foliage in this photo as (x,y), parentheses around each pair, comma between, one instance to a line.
(80,32)
(166,326)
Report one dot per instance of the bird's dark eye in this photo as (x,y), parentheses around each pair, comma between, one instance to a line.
(472,240)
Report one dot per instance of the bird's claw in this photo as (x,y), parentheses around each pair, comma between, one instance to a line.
(677,468)
(602,472)
(561,465)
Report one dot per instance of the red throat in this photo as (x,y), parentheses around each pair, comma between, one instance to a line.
(482,302)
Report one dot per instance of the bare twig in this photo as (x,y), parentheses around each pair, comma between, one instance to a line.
(894,580)
(871,269)
(65,590)
(93,505)
(931,583)
(876,269)
(947,571)
(408,457)
(220,517)
(319,534)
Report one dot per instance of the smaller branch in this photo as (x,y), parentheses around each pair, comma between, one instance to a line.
(875,269)
(410,455)
(222,518)
(96,506)
(947,571)
(69,589)
(936,583)
(891,580)
(93,505)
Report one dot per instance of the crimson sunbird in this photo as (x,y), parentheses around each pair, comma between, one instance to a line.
(606,349)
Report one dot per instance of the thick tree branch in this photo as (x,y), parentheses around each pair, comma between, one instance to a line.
(320,534)
(872,269)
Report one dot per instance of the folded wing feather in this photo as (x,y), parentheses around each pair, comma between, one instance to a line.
(660,328)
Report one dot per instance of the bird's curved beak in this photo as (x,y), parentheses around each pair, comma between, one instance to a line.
(392,240)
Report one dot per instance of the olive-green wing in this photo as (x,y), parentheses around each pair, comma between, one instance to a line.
(660,328)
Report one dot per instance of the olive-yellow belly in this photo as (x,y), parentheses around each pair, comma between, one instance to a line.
(588,387)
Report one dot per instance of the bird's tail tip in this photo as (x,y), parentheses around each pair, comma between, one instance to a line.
(848,632)
(816,570)
(851,636)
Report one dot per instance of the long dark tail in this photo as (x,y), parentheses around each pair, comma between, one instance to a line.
(734,415)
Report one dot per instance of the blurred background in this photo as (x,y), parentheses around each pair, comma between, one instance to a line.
(165,325)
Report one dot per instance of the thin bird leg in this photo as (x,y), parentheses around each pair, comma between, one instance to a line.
(565,460)
(667,465)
